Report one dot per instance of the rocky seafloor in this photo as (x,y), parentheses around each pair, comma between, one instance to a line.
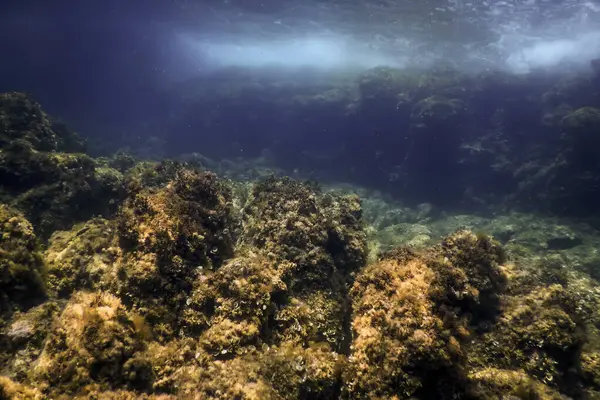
(125,279)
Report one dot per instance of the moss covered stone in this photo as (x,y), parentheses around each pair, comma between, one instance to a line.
(411,315)
(44,171)
(22,338)
(81,257)
(166,237)
(10,389)
(23,118)
(493,383)
(22,267)
(320,241)
(90,342)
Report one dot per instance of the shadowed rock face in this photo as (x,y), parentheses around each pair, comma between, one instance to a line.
(22,267)
(44,171)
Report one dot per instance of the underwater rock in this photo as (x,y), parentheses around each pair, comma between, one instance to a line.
(150,254)
(546,321)
(292,221)
(203,288)
(80,193)
(22,267)
(410,317)
(120,161)
(321,238)
(412,235)
(492,383)
(22,339)
(24,120)
(77,259)
(429,323)
(44,172)
(185,224)
(10,389)
(590,368)
(151,175)
(231,307)
(201,377)
(166,235)
(537,332)
(304,372)
(550,237)
(287,371)
(90,343)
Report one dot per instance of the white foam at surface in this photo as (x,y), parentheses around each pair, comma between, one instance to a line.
(318,52)
(551,53)
(523,35)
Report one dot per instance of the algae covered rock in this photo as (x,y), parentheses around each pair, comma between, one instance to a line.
(22,267)
(321,242)
(200,288)
(73,193)
(290,265)
(45,173)
(29,141)
(500,384)
(412,313)
(536,333)
(292,221)
(22,339)
(151,253)
(79,258)
(191,212)
(10,389)
(540,333)
(299,372)
(166,237)
(90,342)
(590,367)
(389,356)
(231,307)
(22,118)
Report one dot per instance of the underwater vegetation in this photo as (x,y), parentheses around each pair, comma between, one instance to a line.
(170,281)
(44,169)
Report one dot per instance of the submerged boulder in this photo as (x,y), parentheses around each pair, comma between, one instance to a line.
(90,343)
(44,171)
(320,242)
(413,313)
(22,267)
